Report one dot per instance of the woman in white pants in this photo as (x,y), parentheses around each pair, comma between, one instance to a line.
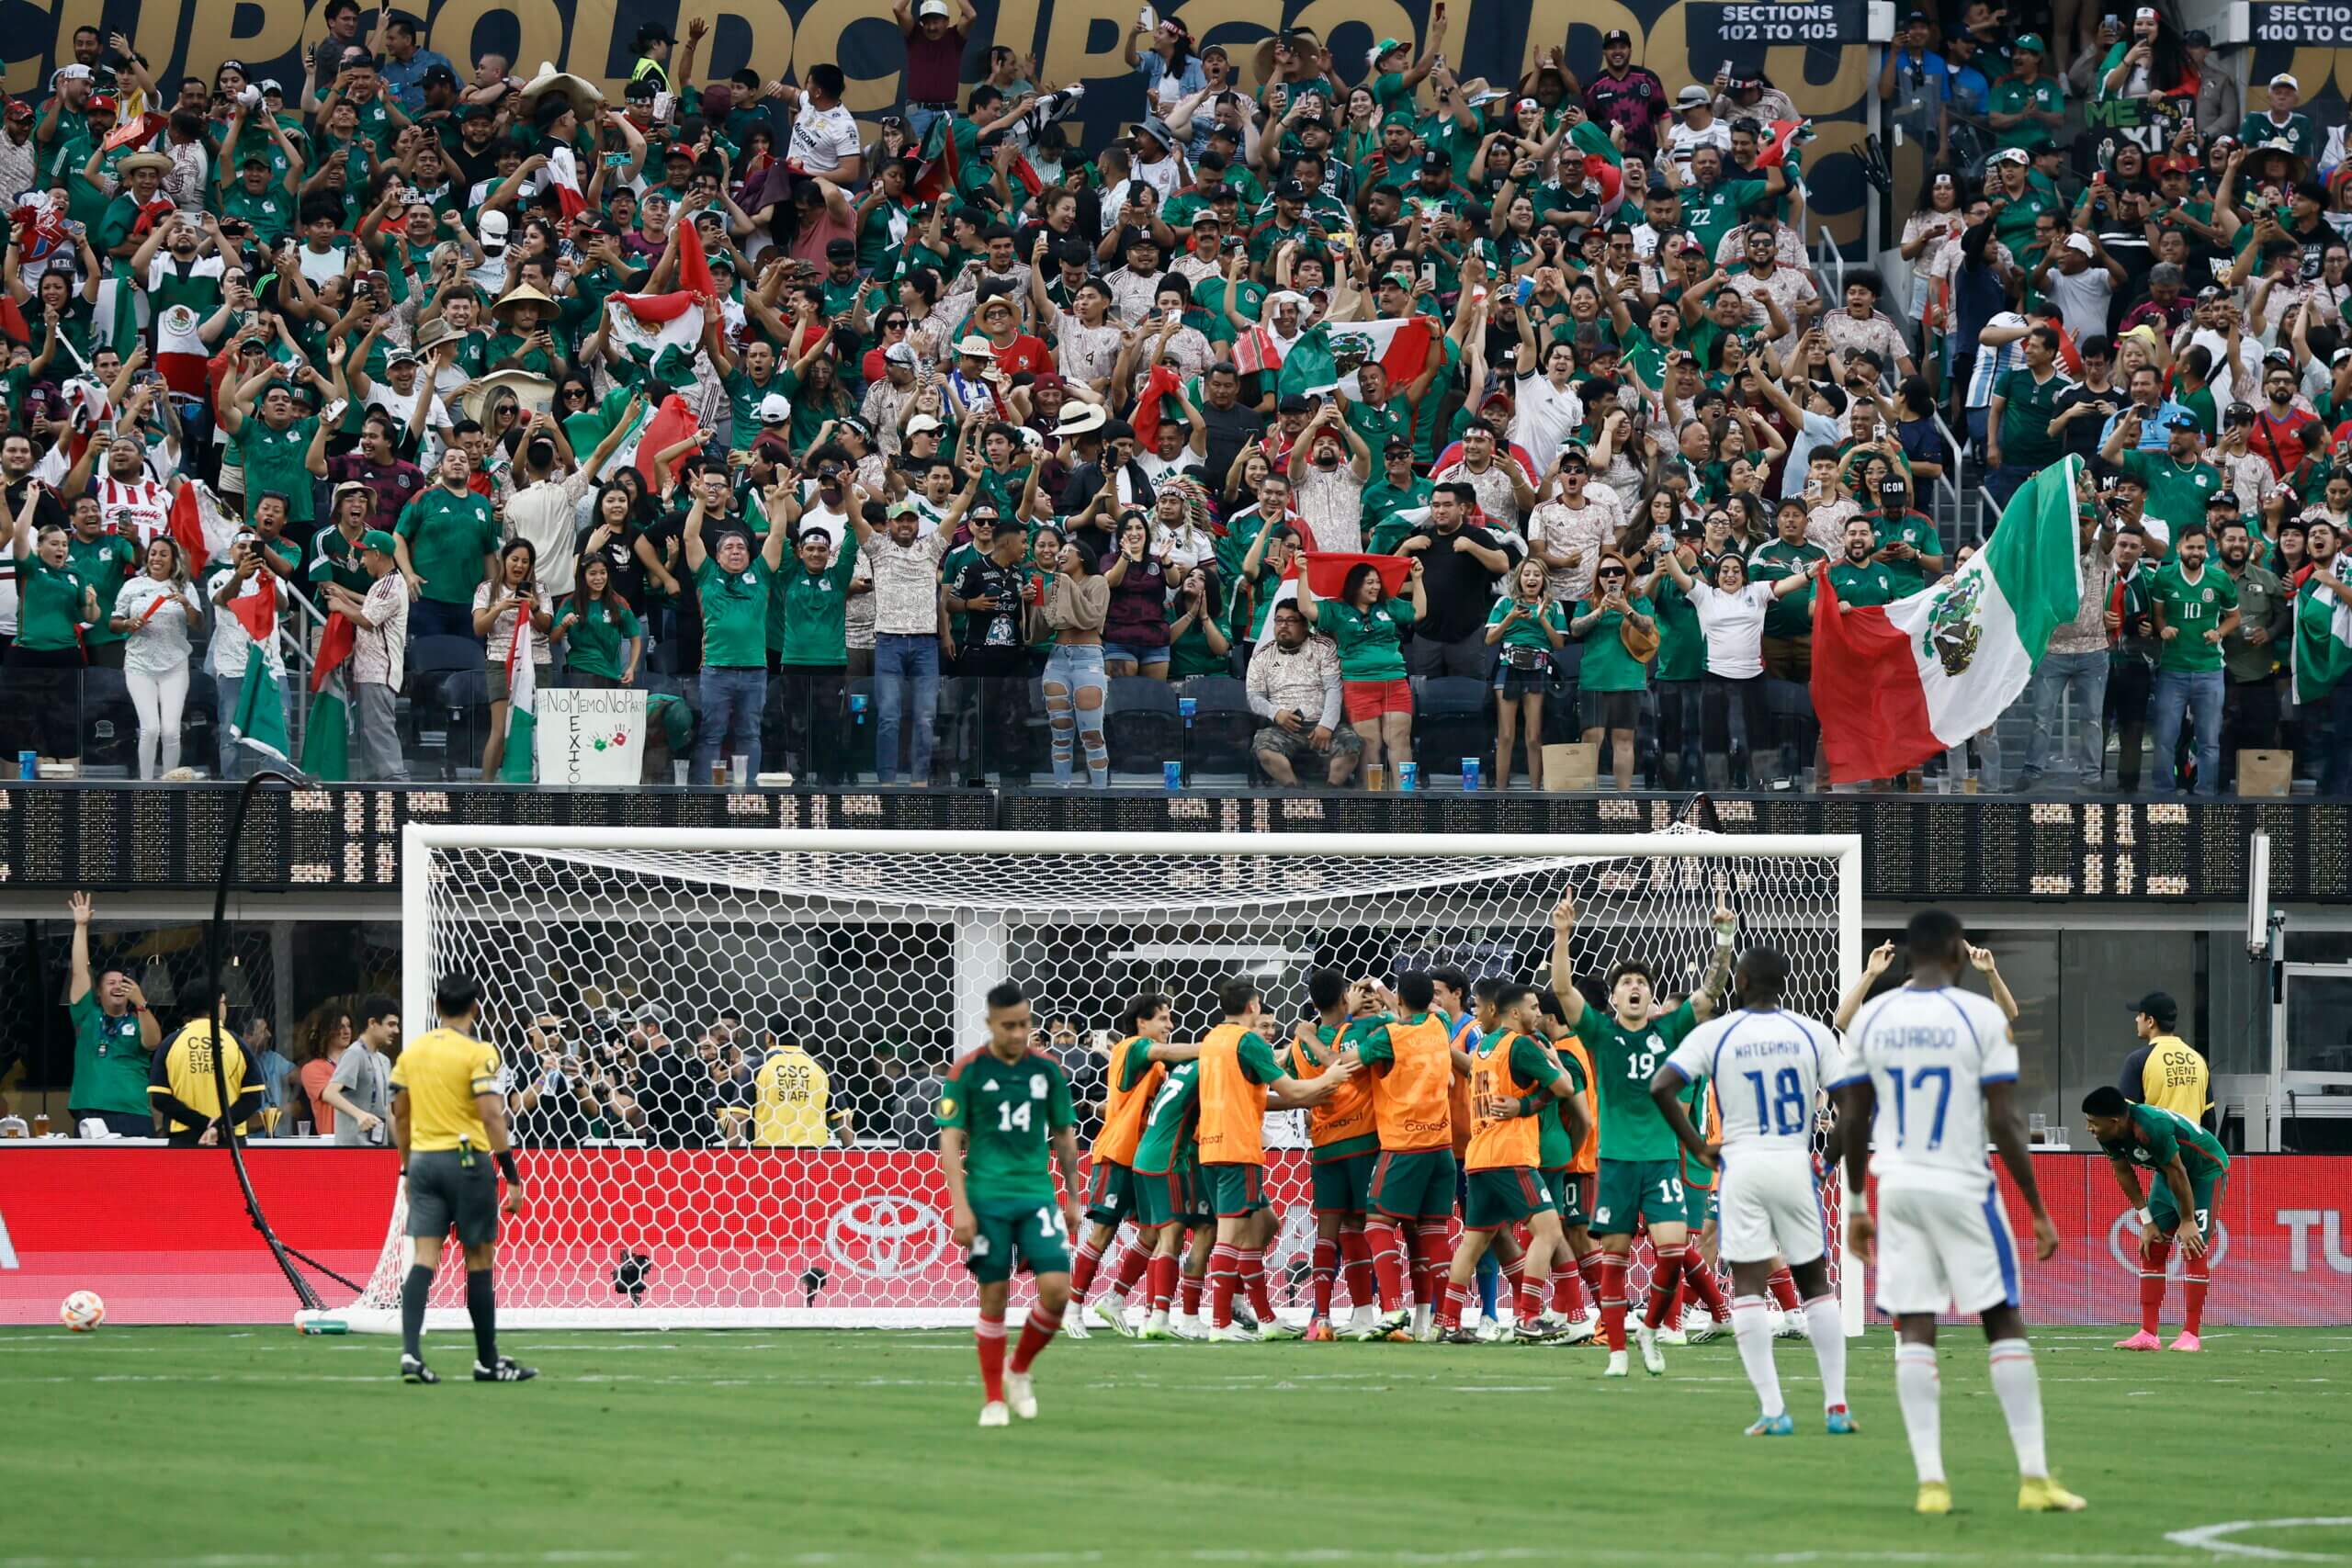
(158,611)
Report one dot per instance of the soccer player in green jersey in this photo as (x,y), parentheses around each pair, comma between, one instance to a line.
(2190,1170)
(1169,1198)
(1000,1107)
(1640,1179)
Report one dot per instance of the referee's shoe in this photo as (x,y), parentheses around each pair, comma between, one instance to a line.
(506,1369)
(414,1370)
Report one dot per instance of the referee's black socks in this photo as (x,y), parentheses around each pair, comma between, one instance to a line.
(482,1306)
(413,1290)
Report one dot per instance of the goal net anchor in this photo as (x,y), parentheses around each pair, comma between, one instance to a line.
(874,949)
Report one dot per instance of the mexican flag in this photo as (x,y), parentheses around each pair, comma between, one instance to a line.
(1256,351)
(1328,353)
(326,737)
(259,720)
(1327,571)
(2323,648)
(198,526)
(522,698)
(1894,684)
(563,173)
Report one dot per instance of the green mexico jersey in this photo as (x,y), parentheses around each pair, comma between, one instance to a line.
(110,1062)
(1008,1112)
(2160,1136)
(1168,1126)
(2194,608)
(2177,493)
(1631,1127)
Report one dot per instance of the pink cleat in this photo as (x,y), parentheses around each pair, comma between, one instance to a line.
(2188,1341)
(2143,1340)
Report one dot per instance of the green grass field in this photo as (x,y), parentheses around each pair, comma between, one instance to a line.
(250,1448)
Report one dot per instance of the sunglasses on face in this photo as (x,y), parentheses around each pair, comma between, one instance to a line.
(1608,576)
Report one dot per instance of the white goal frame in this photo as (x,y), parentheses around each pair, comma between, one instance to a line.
(419,841)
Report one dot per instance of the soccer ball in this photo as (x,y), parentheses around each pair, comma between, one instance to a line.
(83,1311)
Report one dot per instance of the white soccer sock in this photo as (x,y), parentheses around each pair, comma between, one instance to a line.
(1917,1388)
(1827,1326)
(2019,1388)
(1751,1325)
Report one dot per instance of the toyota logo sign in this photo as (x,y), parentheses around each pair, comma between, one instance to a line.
(885,1235)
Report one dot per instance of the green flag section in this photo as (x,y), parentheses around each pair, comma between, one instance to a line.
(521,700)
(326,734)
(1896,684)
(259,721)
(1329,353)
(2323,648)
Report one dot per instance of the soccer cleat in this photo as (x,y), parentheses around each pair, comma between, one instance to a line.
(1113,1315)
(1361,1320)
(1577,1330)
(414,1370)
(1320,1332)
(1792,1326)
(1536,1333)
(1156,1327)
(1840,1421)
(1232,1334)
(2039,1495)
(1653,1362)
(1188,1329)
(2143,1340)
(1675,1336)
(1780,1425)
(506,1370)
(1394,1328)
(1617,1366)
(994,1413)
(1021,1395)
(1705,1329)
(1244,1315)
(1074,1325)
(1424,1320)
(1935,1497)
(2186,1341)
(1271,1330)
(1458,1335)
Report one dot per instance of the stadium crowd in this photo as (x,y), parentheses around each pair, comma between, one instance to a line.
(1358,408)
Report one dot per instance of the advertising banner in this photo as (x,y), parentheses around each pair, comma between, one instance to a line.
(161,1235)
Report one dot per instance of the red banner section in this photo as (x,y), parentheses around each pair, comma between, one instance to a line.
(161,1235)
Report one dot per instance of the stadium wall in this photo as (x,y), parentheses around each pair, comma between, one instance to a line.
(161,1235)
(1811,48)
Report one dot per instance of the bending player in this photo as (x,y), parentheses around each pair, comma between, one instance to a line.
(1768,1067)
(1639,1180)
(2190,1170)
(1514,1081)
(1240,1076)
(1937,1066)
(1137,1063)
(1344,1144)
(1000,1107)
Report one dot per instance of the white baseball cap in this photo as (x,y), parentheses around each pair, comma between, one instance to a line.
(2284,79)
(492,232)
(775,409)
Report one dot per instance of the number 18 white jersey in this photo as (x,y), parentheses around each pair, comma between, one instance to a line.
(1928,1053)
(1769,1066)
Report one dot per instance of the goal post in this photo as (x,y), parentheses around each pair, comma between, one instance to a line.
(726,1045)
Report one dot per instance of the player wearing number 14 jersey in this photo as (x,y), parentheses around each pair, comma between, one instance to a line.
(1641,1181)
(999,1110)
(1768,1065)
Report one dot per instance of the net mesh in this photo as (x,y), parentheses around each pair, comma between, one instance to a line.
(721,1063)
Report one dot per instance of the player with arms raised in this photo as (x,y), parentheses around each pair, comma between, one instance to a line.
(1000,1107)
(1640,1177)
(1768,1065)
(1937,1066)
(2191,1168)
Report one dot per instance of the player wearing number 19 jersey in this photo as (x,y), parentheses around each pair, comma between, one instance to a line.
(1930,1068)
(999,1110)
(1640,1182)
(1768,1065)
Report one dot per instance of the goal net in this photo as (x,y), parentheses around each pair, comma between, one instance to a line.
(723,1049)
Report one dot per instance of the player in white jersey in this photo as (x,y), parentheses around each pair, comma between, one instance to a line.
(1768,1067)
(1937,1066)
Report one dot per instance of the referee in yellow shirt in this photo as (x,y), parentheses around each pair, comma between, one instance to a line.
(181,1088)
(449,1124)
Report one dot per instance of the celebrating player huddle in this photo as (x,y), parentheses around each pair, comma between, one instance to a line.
(1418,1114)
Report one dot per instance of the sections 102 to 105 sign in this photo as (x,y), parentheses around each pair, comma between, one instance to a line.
(1736,23)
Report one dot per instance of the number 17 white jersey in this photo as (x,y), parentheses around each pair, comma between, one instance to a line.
(1769,1067)
(1928,1052)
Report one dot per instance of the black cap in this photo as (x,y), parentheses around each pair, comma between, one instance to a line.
(1437,158)
(1292,190)
(1295,403)
(437,76)
(841,250)
(1616,35)
(2159,1006)
(2228,497)
(1396,443)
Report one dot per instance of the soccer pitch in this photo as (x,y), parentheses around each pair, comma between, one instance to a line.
(245,1449)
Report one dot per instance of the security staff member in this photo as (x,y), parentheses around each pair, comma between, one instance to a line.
(2166,1070)
(788,1095)
(182,1090)
(449,1124)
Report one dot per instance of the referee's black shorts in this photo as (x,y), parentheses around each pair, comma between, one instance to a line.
(445,1192)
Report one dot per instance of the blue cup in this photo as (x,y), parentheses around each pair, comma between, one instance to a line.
(1470,774)
(1172,775)
(1408,777)
(1187,707)
(29,764)
(857,701)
